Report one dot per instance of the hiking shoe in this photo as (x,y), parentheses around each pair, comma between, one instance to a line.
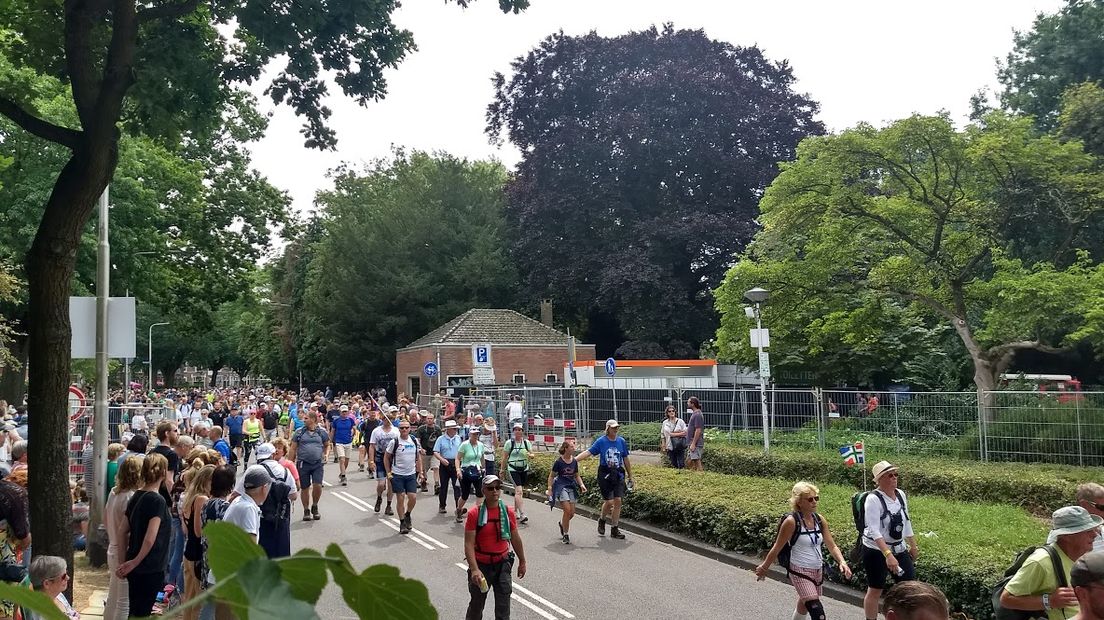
(459,515)
(566,539)
(344,482)
(307,515)
(379,502)
(436,489)
(388,511)
(616,533)
(425,487)
(601,527)
(523,518)
(442,510)
(314,512)
(403,527)
(360,467)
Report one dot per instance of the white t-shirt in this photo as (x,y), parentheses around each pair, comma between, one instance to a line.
(487,438)
(138,422)
(382,439)
(246,514)
(515,411)
(405,460)
(280,475)
(876,526)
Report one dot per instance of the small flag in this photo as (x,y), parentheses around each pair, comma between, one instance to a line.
(860,455)
(850,458)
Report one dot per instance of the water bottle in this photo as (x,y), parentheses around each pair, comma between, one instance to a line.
(629,485)
(900,570)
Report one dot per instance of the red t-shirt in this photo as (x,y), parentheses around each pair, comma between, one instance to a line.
(486,539)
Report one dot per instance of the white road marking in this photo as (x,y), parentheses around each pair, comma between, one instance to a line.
(541,612)
(423,535)
(326,484)
(341,497)
(415,539)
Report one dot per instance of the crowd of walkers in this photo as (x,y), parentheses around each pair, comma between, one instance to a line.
(250,457)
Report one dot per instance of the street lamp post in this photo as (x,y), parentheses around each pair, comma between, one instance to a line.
(757,296)
(149,385)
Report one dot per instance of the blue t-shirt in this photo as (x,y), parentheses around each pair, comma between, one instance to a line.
(223,449)
(565,472)
(298,423)
(448,446)
(611,453)
(343,430)
(234,423)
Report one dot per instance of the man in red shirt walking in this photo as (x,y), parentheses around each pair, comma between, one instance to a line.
(489,533)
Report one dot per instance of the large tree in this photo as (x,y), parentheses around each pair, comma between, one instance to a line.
(168,70)
(984,228)
(1060,51)
(409,244)
(643,159)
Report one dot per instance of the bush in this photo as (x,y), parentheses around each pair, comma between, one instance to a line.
(964,547)
(1038,488)
(1028,427)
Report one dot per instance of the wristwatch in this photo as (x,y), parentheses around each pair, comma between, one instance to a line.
(1046,602)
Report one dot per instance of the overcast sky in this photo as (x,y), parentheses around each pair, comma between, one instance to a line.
(868,60)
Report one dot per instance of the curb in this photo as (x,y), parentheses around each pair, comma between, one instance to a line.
(832,590)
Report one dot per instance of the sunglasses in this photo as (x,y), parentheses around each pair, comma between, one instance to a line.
(496,488)
(815,498)
(892,474)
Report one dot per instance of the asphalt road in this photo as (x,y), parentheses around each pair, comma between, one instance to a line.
(592,578)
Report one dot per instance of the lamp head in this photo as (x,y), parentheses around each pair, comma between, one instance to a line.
(757,295)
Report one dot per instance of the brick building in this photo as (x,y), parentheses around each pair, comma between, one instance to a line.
(523,350)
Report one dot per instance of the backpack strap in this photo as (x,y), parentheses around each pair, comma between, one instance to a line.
(1059,572)
(797,528)
(904,505)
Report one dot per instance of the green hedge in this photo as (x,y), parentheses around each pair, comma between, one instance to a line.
(1038,488)
(964,547)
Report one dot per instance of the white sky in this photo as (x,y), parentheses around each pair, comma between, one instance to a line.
(865,60)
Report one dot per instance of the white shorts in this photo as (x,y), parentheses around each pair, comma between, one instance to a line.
(344,450)
(430,462)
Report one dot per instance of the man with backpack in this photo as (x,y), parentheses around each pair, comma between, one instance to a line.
(270,418)
(427,435)
(886,541)
(1039,581)
(275,529)
(403,464)
(308,448)
(516,452)
(491,539)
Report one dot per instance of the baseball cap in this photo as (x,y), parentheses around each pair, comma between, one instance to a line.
(256,477)
(392,409)
(265,451)
(518,425)
(491,479)
(1088,569)
(612,424)
(344,407)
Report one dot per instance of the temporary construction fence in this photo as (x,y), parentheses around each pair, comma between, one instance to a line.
(1065,427)
(118,423)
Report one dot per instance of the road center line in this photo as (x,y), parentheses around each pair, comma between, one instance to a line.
(341,497)
(425,536)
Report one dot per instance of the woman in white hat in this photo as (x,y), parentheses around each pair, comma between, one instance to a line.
(889,546)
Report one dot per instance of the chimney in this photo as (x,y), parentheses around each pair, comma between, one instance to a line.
(546,312)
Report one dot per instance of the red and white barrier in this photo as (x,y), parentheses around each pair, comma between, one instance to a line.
(542,423)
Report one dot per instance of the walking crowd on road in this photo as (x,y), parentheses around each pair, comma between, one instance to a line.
(257,459)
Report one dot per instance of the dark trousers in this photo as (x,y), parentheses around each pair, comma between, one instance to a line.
(275,538)
(677,458)
(444,475)
(143,589)
(499,577)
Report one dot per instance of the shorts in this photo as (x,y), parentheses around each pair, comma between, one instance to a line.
(519,477)
(611,484)
(430,462)
(807,589)
(344,450)
(381,473)
(694,455)
(236,440)
(567,494)
(404,484)
(310,473)
(877,573)
(270,434)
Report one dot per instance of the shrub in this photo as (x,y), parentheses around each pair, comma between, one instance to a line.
(964,547)
(1038,488)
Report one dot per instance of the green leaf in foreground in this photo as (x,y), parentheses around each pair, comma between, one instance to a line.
(380,591)
(229,548)
(268,595)
(42,606)
(305,573)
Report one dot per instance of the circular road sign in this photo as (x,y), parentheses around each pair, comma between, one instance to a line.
(430,369)
(78,406)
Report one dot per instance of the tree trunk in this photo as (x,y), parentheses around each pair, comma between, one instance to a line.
(12,385)
(214,374)
(50,265)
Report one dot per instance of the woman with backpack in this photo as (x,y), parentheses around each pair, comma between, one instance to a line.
(799,548)
(886,532)
(516,456)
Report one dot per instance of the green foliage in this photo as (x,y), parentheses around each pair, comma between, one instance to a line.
(651,151)
(43,606)
(407,244)
(1082,116)
(873,237)
(1061,50)
(964,546)
(10,287)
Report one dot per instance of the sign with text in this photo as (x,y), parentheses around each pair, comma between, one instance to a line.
(483,375)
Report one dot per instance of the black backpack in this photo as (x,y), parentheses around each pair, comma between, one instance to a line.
(787,549)
(858,515)
(1000,613)
(277,506)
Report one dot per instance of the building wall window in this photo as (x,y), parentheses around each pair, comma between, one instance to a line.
(551,378)
(518,379)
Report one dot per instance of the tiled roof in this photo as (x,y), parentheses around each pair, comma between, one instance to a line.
(493,326)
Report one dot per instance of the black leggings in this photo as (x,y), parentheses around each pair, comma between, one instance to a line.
(143,589)
(444,475)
